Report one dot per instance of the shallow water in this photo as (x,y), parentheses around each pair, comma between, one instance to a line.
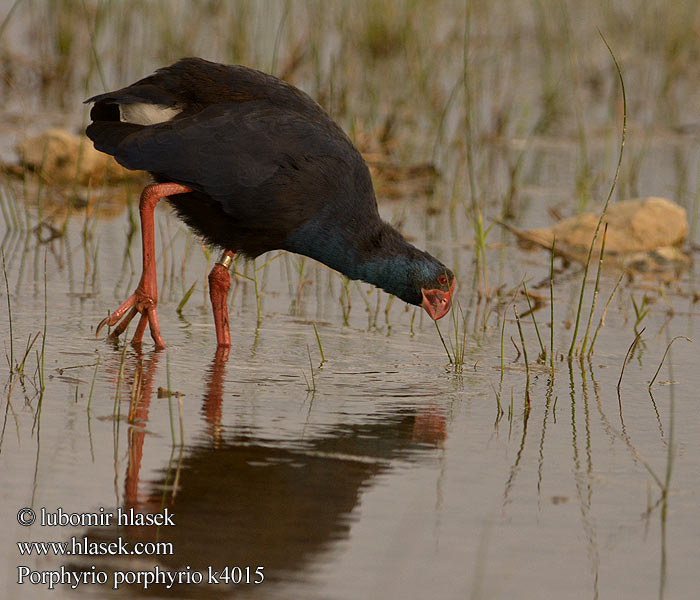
(391,479)
(384,471)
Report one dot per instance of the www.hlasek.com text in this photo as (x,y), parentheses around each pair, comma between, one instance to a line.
(86,547)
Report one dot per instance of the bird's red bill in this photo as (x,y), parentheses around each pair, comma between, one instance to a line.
(437,303)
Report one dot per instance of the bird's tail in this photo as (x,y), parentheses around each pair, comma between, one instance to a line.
(107,135)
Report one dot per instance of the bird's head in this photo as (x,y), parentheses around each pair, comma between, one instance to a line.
(422,280)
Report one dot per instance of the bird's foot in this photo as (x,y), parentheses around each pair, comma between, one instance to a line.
(138,303)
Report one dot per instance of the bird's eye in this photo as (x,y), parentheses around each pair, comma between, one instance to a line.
(442,280)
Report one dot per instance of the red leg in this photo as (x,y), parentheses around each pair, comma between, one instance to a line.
(145,298)
(219,284)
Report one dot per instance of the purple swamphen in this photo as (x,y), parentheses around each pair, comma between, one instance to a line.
(253,164)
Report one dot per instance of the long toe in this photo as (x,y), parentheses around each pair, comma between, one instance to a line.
(155,328)
(137,303)
(114,317)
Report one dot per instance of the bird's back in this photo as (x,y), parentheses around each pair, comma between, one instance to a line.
(191,84)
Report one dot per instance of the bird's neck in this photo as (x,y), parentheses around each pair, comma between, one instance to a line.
(375,253)
(393,275)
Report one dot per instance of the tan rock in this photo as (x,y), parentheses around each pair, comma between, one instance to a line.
(643,235)
(62,158)
(633,226)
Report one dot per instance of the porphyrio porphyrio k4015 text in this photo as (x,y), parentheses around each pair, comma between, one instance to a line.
(253,164)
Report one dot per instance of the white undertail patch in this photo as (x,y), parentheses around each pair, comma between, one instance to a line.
(147,114)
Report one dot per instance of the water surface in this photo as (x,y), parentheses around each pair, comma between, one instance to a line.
(385,470)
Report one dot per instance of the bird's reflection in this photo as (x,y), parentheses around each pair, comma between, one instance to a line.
(238,500)
(139,405)
(213,394)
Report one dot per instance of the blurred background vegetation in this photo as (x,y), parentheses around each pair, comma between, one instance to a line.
(515,105)
(385,68)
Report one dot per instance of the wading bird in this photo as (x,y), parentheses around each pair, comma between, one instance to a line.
(253,164)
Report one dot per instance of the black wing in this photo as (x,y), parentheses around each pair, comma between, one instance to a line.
(232,152)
